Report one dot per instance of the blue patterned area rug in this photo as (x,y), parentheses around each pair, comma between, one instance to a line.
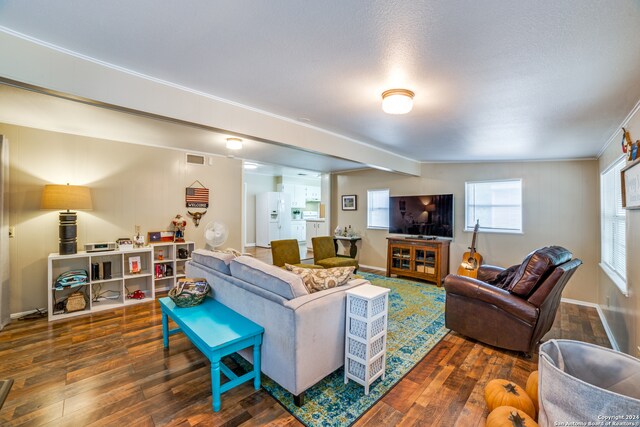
(415,326)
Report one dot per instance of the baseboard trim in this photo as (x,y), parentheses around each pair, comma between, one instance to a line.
(603,319)
(250,245)
(24,313)
(372,267)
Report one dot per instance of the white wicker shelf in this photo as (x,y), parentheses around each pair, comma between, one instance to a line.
(366,334)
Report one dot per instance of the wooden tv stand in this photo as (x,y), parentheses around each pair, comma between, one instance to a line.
(419,258)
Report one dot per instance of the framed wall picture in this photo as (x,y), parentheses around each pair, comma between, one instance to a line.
(630,176)
(350,203)
(134,265)
(154,236)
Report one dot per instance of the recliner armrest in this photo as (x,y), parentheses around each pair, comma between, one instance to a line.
(487,272)
(480,291)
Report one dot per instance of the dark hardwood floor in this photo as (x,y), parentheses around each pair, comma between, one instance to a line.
(111,369)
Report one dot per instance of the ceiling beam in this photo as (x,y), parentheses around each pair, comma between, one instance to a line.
(37,63)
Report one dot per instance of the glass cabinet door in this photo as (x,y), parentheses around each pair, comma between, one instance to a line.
(401,258)
(425,261)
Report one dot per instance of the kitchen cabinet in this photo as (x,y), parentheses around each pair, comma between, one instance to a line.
(298,194)
(299,230)
(313,193)
(316,228)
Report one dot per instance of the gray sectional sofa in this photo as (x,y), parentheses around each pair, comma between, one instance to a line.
(304,333)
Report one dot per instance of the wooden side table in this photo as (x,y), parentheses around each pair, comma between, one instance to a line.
(366,334)
(216,331)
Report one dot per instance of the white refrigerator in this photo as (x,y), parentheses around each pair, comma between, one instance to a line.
(273,217)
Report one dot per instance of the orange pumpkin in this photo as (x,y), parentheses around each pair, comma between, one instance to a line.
(508,416)
(505,393)
(532,389)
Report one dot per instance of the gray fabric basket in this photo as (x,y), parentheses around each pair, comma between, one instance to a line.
(582,383)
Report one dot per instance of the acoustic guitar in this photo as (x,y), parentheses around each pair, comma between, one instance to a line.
(471,260)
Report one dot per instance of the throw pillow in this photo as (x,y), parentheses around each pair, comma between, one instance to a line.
(504,278)
(319,279)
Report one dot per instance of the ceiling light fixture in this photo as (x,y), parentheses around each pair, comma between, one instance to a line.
(250,166)
(234,143)
(397,101)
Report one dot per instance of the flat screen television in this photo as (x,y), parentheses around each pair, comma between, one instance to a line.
(422,216)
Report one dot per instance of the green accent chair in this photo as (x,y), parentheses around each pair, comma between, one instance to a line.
(324,254)
(288,252)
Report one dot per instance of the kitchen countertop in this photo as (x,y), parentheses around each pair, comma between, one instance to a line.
(316,219)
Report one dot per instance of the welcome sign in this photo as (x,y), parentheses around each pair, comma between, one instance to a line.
(197,197)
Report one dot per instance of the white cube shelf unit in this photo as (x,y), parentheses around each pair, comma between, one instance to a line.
(100,293)
(366,334)
(169,263)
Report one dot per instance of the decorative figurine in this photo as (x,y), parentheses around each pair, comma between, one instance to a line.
(627,144)
(138,239)
(179,223)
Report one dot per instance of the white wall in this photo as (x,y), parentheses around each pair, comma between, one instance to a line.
(560,208)
(130,184)
(623,312)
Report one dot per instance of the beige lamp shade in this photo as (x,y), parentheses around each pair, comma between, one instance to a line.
(66,197)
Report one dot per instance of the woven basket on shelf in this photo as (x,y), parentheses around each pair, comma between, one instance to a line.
(75,302)
(189,292)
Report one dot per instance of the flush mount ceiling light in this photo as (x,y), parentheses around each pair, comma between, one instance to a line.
(397,101)
(250,166)
(234,143)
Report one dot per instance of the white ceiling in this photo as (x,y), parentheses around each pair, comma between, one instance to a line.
(494,79)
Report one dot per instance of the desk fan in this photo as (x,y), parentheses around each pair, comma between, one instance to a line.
(215,234)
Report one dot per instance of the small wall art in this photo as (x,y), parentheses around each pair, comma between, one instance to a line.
(350,202)
(630,176)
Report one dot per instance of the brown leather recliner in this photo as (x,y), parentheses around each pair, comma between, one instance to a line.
(518,308)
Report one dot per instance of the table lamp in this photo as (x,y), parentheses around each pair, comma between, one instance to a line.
(67,197)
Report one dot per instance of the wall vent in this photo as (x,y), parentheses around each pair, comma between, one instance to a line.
(195,159)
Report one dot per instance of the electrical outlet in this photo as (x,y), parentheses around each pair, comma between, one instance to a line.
(12,232)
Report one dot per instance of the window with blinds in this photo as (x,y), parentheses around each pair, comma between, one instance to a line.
(378,208)
(496,204)
(613,218)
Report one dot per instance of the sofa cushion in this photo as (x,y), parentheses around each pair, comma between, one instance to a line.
(269,277)
(216,260)
(320,279)
(534,268)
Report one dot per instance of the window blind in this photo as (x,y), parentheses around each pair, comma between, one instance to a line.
(613,219)
(378,208)
(496,204)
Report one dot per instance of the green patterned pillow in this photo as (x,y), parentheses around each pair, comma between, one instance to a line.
(320,279)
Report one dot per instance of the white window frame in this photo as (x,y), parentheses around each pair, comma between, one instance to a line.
(618,277)
(470,227)
(369,207)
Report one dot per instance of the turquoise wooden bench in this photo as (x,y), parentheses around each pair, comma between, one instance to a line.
(216,331)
